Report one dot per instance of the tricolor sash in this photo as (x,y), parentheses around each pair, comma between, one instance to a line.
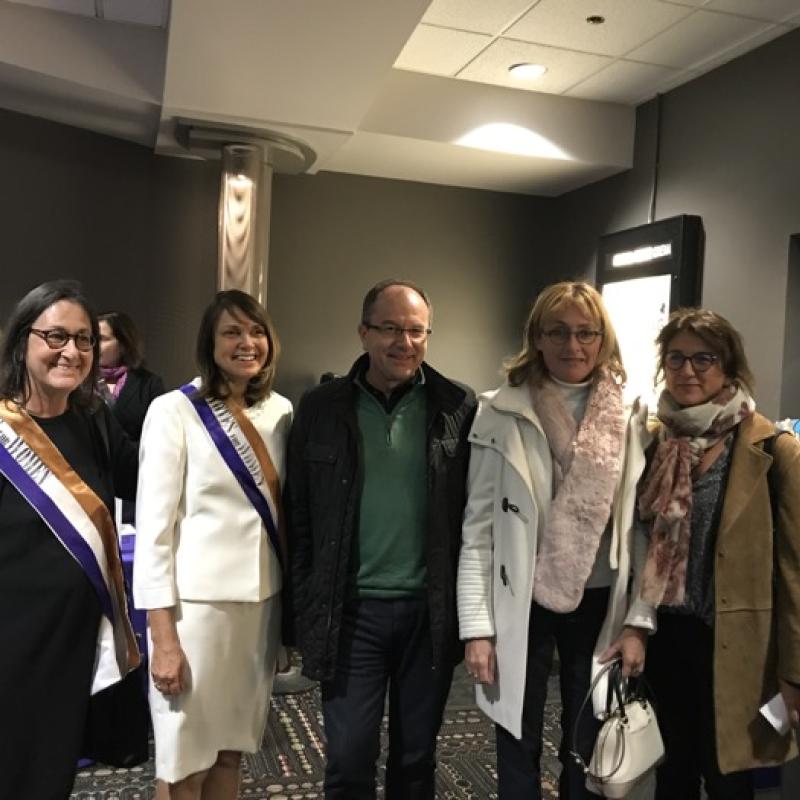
(246,455)
(82,524)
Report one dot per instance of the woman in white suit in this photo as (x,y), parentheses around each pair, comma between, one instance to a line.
(548,537)
(209,552)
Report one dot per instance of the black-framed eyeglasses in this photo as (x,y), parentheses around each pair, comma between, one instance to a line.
(389,331)
(562,335)
(57,338)
(674,360)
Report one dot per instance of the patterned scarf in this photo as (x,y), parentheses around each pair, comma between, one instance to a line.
(116,376)
(666,497)
(586,464)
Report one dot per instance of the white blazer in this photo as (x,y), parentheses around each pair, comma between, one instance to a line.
(197,535)
(498,552)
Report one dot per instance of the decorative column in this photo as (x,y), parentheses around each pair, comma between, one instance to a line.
(249,157)
(245,196)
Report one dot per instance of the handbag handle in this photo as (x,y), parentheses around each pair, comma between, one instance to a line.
(617,688)
(615,668)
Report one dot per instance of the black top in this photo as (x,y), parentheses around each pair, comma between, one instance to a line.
(49,615)
(140,389)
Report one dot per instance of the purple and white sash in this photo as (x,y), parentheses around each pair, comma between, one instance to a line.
(81,523)
(244,453)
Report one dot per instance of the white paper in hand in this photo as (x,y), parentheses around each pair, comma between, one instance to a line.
(776,713)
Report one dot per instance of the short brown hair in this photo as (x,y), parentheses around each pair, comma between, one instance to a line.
(721,337)
(528,364)
(213,381)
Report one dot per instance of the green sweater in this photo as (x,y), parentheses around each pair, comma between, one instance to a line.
(390,554)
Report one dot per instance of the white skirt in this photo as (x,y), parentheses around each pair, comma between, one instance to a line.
(232,650)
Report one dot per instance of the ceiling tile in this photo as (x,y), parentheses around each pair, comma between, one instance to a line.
(771,10)
(440,51)
(699,38)
(143,12)
(481,16)
(565,68)
(625,82)
(744,46)
(84,7)
(562,23)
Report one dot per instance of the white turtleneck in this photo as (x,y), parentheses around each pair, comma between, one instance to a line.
(575,397)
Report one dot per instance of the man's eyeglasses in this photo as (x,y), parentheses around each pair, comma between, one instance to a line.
(674,360)
(562,335)
(389,331)
(57,338)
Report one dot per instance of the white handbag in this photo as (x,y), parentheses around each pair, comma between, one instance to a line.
(629,743)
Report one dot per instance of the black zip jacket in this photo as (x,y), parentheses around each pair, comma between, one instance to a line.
(323,480)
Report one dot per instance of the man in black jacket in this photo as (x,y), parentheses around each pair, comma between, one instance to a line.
(376,476)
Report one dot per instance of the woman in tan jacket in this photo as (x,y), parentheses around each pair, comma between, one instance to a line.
(728,636)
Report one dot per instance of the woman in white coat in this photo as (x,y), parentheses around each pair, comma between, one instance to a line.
(548,537)
(209,552)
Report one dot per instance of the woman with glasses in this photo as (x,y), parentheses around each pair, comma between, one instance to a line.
(210,551)
(720,503)
(547,541)
(63,619)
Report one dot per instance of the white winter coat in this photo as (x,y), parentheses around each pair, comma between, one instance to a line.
(508,502)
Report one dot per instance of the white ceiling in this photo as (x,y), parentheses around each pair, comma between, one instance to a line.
(384,89)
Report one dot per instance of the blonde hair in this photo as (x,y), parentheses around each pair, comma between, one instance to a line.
(528,364)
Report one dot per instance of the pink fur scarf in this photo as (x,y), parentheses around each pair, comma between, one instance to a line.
(666,497)
(586,465)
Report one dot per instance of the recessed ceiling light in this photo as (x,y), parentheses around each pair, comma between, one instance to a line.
(526,72)
(595,19)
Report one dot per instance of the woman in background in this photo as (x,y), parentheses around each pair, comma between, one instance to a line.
(548,536)
(209,551)
(723,565)
(63,620)
(126,386)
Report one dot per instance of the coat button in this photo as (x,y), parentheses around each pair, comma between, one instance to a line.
(724,600)
(721,554)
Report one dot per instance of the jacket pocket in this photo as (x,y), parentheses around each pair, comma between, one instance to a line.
(319,453)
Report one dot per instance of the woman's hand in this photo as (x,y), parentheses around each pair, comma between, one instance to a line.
(631,645)
(479,655)
(169,667)
(791,696)
(168,664)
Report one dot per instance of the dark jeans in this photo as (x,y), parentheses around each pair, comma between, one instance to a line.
(575,634)
(384,643)
(680,668)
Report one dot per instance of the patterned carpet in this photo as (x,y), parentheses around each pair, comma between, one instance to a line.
(290,764)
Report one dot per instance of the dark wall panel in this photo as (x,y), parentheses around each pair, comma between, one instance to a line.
(140,232)
(480,255)
(729,153)
(137,230)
